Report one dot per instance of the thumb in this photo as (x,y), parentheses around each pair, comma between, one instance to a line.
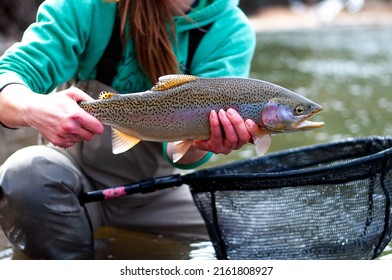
(261,137)
(78,95)
(252,128)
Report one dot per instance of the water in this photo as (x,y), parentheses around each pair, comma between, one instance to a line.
(346,70)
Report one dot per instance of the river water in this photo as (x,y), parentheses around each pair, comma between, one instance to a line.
(346,70)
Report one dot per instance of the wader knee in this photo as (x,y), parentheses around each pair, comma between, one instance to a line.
(39,208)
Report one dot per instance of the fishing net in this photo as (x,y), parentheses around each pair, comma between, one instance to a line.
(328,201)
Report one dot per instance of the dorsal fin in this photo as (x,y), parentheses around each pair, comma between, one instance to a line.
(170,81)
(106,95)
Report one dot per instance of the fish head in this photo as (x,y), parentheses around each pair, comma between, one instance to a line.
(290,113)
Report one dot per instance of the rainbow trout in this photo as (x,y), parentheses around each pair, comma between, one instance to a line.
(177,110)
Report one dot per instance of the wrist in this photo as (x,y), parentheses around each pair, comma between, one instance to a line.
(14,101)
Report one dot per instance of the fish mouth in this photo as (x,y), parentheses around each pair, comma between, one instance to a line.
(305,124)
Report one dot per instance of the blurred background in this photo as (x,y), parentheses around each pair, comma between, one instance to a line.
(335,52)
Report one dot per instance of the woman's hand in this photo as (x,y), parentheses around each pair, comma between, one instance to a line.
(57,116)
(61,121)
(228,133)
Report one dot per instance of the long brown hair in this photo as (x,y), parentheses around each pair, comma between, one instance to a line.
(148,27)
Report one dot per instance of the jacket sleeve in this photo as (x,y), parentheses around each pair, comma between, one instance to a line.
(227,48)
(67,40)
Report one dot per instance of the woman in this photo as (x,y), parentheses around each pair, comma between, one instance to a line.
(39,186)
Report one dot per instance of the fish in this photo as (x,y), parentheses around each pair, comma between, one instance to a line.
(177,109)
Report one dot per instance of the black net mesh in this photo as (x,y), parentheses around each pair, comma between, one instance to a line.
(328,201)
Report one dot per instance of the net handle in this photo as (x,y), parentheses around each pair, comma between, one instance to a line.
(144,186)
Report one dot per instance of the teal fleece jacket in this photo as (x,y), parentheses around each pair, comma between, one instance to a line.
(70,36)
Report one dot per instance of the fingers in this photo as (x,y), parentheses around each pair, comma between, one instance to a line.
(216,135)
(78,95)
(236,132)
(68,134)
(89,125)
(64,142)
(216,131)
(228,133)
(80,128)
(252,128)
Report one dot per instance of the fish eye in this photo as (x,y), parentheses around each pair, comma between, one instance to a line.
(299,110)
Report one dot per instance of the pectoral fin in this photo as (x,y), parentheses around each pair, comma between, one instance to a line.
(122,142)
(262,143)
(179,149)
(261,139)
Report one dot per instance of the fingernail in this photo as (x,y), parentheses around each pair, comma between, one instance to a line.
(248,123)
(230,112)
